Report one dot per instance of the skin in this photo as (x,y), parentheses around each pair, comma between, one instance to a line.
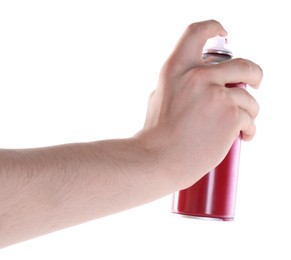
(191,122)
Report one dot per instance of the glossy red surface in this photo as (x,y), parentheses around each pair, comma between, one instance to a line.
(214,195)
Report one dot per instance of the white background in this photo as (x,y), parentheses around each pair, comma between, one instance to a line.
(73,71)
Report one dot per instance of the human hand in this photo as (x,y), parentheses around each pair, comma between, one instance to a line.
(193,118)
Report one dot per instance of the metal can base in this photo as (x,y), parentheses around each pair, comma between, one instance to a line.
(201,217)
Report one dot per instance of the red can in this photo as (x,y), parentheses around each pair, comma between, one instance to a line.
(214,195)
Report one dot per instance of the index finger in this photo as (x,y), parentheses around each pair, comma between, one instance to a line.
(188,51)
(238,70)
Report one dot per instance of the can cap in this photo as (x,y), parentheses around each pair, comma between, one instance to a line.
(217,45)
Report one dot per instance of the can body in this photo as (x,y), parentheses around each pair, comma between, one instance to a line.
(214,195)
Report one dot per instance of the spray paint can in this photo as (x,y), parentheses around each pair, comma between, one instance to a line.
(213,196)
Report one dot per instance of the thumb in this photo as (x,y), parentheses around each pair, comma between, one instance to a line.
(188,51)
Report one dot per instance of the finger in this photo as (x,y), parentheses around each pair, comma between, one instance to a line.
(249,133)
(244,101)
(248,128)
(238,70)
(188,52)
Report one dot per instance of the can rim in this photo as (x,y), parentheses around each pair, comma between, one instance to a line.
(216,51)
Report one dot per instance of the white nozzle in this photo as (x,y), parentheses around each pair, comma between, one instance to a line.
(217,44)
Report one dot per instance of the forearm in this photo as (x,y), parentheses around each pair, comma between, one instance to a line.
(46,189)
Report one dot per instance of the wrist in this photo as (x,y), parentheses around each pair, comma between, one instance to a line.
(160,151)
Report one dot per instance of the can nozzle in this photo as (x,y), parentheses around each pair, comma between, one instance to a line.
(216,50)
(217,44)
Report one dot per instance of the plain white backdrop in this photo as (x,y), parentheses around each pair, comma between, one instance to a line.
(73,71)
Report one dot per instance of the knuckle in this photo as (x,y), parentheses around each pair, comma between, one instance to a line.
(252,105)
(200,75)
(217,100)
(196,26)
(249,132)
(256,107)
(218,95)
(244,64)
(250,68)
(171,67)
(192,27)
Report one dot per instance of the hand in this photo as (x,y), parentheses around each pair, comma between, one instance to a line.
(193,118)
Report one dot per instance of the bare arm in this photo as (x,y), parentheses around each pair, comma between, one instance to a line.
(46,189)
(192,121)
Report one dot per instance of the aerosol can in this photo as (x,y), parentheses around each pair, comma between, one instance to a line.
(213,196)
